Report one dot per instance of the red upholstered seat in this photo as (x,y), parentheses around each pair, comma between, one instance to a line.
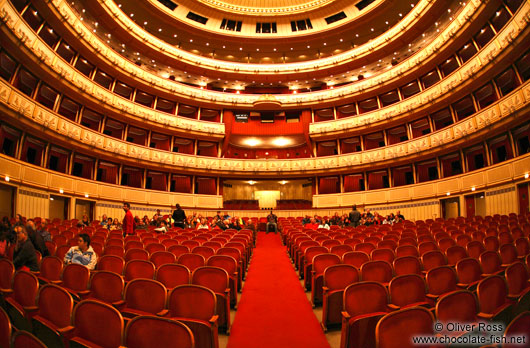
(407,265)
(307,269)
(440,280)
(152,248)
(517,279)
(355,258)
(159,258)
(96,324)
(492,296)
(52,322)
(378,271)
(24,339)
(110,263)
(457,307)
(75,279)
(192,261)
(433,259)
(407,250)
(178,250)
(144,297)
(320,263)
(196,306)
(138,269)
(365,247)
(508,254)
(155,332)
(364,304)
(490,262)
(106,286)
(469,272)
(229,264)
(133,244)
(5,329)
(51,268)
(335,279)
(203,250)
(172,275)
(383,254)
(397,328)
(518,327)
(475,248)
(408,290)
(136,254)
(216,279)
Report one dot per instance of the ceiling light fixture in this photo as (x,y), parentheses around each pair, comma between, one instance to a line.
(281,141)
(252,142)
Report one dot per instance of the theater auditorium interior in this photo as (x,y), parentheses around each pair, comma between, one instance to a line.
(258,174)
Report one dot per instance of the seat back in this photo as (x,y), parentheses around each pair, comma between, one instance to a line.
(508,254)
(365,247)
(159,258)
(407,265)
(338,277)
(516,277)
(341,249)
(155,332)
(51,268)
(106,286)
(441,280)
(192,261)
(491,243)
(475,248)
(383,254)
(491,293)
(396,329)
(178,250)
(454,254)
(205,251)
(468,270)
(76,277)
(517,327)
(114,250)
(378,271)
(490,261)
(427,246)
(136,254)
(313,251)
(7,271)
(214,278)
(192,301)
(407,250)
(98,322)
(365,297)
(24,339)
(432,259)
(146,295)
(5,329)
(55,305)
(25,288)
(407,289)
(110,263)
(457,307)
(152,248)
(172,275)
(355,258)
(139,269)
(323,261)
(228,263)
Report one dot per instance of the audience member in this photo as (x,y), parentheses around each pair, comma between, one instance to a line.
(311,225)
(272,221)
(203,225)
(104,221)
(128,221)
(324,224)
(162,228)
(24,256)
(354,217)
(83,253)
(85,221)
(179,216)
(36,239)
(43,231)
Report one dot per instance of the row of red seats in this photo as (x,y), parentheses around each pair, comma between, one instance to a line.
(47,312)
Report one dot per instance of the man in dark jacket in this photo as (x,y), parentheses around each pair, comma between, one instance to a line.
(354,217)
(24,253)
(179,216)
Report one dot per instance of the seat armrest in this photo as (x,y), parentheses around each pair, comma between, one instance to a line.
(65,330)
(393,307)
(213,320)
(345,315)
(325,289)
(31,308)
(56,282)
(118,304)
(163,313)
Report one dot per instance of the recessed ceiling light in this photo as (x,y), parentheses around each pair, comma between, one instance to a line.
(7,178)
(61,191)
(281,141)
(252,141)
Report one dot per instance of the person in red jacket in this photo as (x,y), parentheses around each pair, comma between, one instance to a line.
(128,220)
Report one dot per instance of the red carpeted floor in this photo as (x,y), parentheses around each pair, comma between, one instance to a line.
(274,310)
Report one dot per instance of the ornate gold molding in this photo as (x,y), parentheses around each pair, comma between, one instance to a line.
(441,141)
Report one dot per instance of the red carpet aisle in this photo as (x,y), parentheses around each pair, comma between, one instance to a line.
(274,311)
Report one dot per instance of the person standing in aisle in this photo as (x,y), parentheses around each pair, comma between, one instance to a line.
(179,216)
(128,220)
(354,217)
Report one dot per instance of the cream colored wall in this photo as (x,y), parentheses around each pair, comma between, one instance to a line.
(502,200)
(57,208)
(33,203)
(82,208)
(6,200)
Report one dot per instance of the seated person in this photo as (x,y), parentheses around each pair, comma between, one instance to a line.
(83,253)
(272,221)
(104,221)
(324,224)
(85,221)
(203,225)
(311,225)
(24,256)
(162,227)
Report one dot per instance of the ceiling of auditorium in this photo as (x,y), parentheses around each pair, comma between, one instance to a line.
(174,28)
